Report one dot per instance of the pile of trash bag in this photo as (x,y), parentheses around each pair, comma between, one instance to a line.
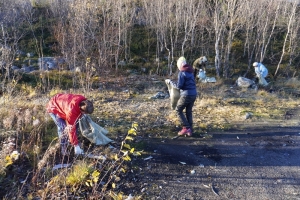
(245,82)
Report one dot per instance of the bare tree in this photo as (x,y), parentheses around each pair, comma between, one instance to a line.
(11,21)
(174,22)
(290,33)
(91,35)
(234,12)
(260,19)
(219,24)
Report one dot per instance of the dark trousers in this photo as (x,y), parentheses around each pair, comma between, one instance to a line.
(187,103)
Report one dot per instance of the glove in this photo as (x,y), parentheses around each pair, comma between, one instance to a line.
(78,150)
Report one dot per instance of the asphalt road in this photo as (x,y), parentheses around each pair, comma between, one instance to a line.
(254,164)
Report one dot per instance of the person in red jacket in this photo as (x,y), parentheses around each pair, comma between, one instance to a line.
(65,110)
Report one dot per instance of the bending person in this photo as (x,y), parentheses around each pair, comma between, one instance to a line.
(261,72)
(198,64)
(65,110)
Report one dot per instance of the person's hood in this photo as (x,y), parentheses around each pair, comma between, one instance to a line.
(187,68)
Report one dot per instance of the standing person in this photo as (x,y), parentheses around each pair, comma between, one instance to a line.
(261,73)
(65,110)
(188,93)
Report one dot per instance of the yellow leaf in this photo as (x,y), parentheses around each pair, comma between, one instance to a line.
(132,131)
(116,157)
(95,176)
(123,170)
(8,163)
(135,125)
(120,196)
(127,158)
(96,173)
(128,138)
(132,150)
(87,183)
(8,158)
(127,146)
(113,185)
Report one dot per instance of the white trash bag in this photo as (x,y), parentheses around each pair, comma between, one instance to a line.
(262,81)
(92,131)
(174,94)
(202,75)
(244,82)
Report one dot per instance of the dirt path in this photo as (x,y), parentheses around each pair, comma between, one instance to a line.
(253,164)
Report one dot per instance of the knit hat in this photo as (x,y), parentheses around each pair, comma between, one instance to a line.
(180,62)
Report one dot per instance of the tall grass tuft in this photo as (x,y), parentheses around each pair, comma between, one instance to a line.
(79,174)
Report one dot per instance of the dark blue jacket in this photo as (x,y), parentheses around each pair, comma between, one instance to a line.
(186,81)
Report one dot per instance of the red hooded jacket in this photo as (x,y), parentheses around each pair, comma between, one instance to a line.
(66,106)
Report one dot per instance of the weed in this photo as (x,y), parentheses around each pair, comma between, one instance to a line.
(80,171)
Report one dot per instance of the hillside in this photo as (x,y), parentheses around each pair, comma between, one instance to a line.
(228,150)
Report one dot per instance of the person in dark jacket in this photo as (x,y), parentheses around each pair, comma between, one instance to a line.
(65,110)
(188,93)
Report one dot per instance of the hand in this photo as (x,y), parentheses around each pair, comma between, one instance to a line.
(78,150)
(258,75)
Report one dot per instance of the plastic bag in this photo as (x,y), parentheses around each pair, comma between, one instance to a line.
(92,131)
(244,82)
(202,75)
(174,94)
(262,81)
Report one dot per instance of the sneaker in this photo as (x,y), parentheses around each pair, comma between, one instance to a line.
(183,131)
(189,132)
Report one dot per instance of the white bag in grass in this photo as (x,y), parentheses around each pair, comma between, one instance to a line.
(92,131)
(244,82)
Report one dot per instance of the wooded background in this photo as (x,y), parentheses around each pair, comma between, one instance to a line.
(96,35)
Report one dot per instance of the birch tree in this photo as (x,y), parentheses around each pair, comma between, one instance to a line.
(174,22)
(260,20)
(90,36)
(219,23)
(161,17)
(292,27)
(234,12)
(266,20)
(249,35)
